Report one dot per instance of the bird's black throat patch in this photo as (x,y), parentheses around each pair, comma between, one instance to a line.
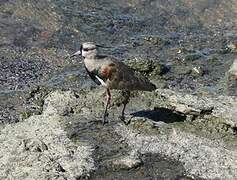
(93,75)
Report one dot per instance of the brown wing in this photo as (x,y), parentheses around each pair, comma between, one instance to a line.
(109,71)
(120,76)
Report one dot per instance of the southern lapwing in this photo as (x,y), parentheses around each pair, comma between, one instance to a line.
(112,74)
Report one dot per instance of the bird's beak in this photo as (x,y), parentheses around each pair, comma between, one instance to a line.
(76,54)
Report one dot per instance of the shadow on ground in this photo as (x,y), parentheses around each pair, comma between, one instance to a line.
(161,114)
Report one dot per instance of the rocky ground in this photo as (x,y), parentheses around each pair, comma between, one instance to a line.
(50,111)
(169,135)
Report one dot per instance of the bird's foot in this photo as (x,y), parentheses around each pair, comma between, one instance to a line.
(104,120)
(122,118)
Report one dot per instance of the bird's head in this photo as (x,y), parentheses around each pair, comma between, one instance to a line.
(87,50)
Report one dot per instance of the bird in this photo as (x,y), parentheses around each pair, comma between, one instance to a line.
(111,73)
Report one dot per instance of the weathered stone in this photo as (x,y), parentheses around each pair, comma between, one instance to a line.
(232,46)
(201,157)
(147,67)
(192,57)
(197,71)
(223,107)
(143,66)
(128,162)
(59,103)
(40,142)
(145,134)
(38,147)
(156,40)
(182,70)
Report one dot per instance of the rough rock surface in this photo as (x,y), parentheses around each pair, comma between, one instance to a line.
(38,148)
(61,142)
(201,157)
(222,107)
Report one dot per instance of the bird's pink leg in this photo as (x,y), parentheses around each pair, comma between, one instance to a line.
(106,107)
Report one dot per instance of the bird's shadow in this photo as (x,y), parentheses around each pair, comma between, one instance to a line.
(161,114)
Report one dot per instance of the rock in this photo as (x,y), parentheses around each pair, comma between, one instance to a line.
(143,66)
(156,40)
(197,71)
(200,156)
(128,162)
(181,50)
(182,70)
(34,145)
(184,141)
(222,107)
(38,147)
(59,103)
(192,57)
(159,69)
(148,67)
(232,46)
(72,77)
(231,78)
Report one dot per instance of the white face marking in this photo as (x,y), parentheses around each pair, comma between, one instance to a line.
(101,81)
(88,53)
(88,50)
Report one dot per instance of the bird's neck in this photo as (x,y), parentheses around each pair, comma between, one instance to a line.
(90,63)
(91,56)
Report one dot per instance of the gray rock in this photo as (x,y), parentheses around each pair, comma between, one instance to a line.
(232,46)
(59,102)
(38,148)
(128,162)
(223,107)
(197,71)
(192,57)
(201,157)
